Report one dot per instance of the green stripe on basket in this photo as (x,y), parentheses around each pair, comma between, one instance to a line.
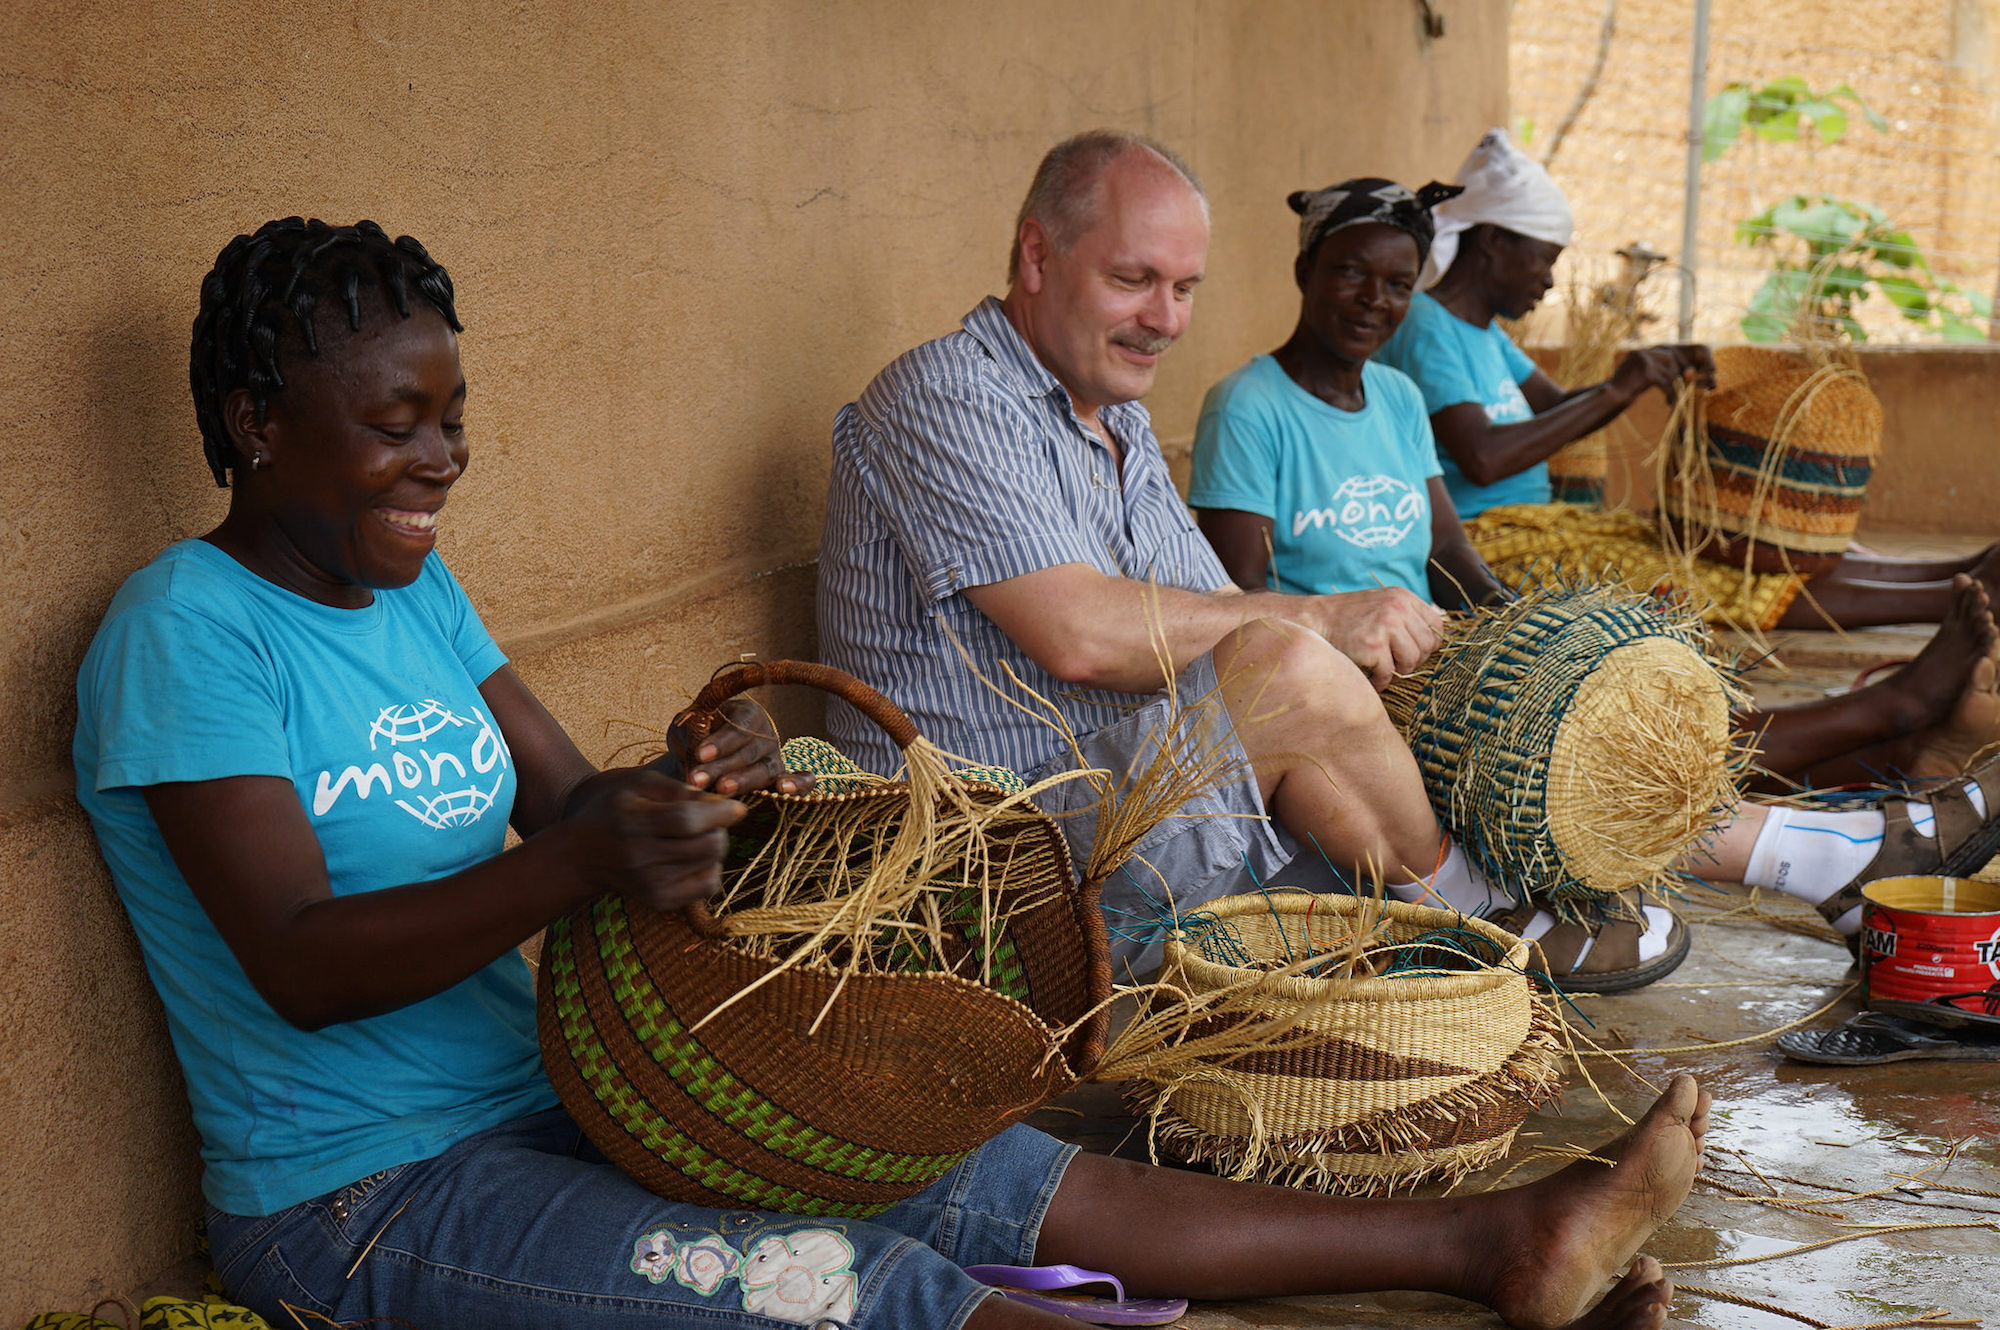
(680,1055)
(644,1124)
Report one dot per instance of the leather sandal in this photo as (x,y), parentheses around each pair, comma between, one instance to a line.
(1612,964)
(1963,842)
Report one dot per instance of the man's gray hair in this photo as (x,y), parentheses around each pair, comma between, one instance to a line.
(1064,195)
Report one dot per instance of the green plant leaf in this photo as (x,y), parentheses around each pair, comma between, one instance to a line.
(1830,124)
(1722,120)
(1896,249)
(1776,126)
(1762,327)
(1524,129)
(1845,282)
(1957,329)
(1757,230)
(1982,304)
(1878,121)
(1907,294)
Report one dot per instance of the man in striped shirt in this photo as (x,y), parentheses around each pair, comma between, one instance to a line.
(999,505)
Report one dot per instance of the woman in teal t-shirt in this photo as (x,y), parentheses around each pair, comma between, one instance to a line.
(1314,470)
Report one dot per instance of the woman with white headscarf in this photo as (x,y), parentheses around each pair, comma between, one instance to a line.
(1496,417)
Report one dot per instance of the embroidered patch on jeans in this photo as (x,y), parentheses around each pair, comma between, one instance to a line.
(802,1277)
(703,1265)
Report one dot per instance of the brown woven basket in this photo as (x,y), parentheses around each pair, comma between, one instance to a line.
(1785,454)
(823,1092)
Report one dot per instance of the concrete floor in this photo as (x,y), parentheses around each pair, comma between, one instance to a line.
(1852,1129)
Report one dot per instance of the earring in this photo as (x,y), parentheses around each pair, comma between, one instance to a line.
(258,462)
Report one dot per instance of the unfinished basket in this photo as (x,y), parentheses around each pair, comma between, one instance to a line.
(1419,1047)
(1574,742)
(871,1025)
(1772,475)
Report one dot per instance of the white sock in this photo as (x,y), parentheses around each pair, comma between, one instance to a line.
(1811,854)
(1459,886)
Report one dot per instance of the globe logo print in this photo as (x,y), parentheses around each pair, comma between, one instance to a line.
(437,786)
(1368,511)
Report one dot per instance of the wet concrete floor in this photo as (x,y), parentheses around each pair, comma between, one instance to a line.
(1814,1134)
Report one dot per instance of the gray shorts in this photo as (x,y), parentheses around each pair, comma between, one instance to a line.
(1220,843)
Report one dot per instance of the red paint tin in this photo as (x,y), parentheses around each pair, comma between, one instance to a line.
(1930,949)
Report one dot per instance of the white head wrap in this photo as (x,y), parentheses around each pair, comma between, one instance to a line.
(1504,187)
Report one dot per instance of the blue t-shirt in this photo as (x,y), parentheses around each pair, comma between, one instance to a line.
(1454,362)
(203,670)
(1346,491)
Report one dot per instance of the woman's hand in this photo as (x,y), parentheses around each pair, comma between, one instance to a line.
(739,755)
(652,839)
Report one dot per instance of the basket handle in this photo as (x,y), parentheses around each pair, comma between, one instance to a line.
(703,712)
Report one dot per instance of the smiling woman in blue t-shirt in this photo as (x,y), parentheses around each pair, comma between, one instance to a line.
(1314,470)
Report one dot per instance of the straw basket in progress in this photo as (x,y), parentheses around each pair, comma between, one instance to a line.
(1771,469)
(1422,1071)
(888,990)
(1573,742)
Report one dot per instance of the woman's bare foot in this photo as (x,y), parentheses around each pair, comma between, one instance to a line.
(1638,1303)
(1929,693)
(1570,1231)
(1946,751)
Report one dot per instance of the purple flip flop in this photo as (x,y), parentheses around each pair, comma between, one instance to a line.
(1038,1285)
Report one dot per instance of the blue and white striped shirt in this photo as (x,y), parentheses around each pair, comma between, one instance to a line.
(963,464)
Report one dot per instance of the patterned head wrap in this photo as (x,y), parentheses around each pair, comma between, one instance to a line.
(1369,199)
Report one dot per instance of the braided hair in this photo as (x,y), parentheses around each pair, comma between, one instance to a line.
(268,284)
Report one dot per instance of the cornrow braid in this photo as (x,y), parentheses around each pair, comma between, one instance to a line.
(274,280)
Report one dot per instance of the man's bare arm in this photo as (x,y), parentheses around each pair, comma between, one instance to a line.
(1098,631)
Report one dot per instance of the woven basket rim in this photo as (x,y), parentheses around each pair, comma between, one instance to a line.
(1371,989)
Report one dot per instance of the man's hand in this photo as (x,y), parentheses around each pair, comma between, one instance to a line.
(1386,632)
(1662,367)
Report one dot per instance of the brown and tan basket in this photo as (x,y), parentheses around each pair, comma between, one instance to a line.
(1772,470)
(1389,1080)
(828,1088)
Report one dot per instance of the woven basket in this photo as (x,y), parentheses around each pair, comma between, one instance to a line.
(1573,743)
(1784,463)
(1578,471)
(1389,1081)
(904,1075)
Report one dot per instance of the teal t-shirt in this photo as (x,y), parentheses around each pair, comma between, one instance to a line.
(203,670)
(1347,491)
(1454,362)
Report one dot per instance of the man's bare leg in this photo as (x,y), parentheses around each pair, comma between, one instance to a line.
(1330,766)
(1536,1254)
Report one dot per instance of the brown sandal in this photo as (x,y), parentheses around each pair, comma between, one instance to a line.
(1963,842)
(1612,964)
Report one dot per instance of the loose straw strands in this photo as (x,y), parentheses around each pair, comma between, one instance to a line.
(1936,1318)
(1413,1050)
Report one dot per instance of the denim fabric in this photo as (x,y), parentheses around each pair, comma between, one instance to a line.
(1219,843)
(527,1226)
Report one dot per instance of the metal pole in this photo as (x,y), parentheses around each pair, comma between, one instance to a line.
(1691,206)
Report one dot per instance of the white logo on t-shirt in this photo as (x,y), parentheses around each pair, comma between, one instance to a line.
(1507,404)
(1369,511)
(431,762)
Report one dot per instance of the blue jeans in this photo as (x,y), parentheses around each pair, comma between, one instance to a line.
(527,1225)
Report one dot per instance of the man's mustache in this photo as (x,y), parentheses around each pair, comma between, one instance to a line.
(1144,345)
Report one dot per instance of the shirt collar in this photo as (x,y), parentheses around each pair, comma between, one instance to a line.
(989,325)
